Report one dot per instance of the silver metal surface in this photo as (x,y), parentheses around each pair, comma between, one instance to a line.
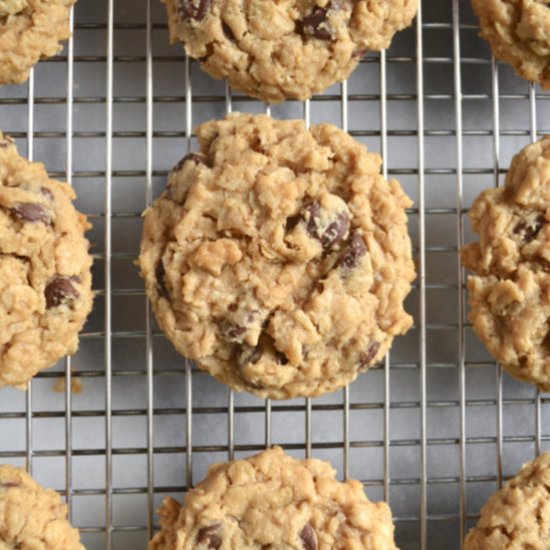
(434,429)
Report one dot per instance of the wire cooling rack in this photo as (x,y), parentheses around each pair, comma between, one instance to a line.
(434,430)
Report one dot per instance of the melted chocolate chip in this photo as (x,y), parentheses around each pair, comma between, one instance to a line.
(191,157)
(316,23)
(308,538)
(366,357)
(292,222)
(333,233)
(207,535)
(250,355)
(47,193)
(281,358)
(356,250)
(161,284)
(193,9)
(30,212)
(60,290)
(235,332)
(529,230)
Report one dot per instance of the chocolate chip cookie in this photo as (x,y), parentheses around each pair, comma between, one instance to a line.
(517,516)
(290,49)
(272,500)
(45,279)
(519,33)
(278,257)
(32,517)
(30,30)
(510,291)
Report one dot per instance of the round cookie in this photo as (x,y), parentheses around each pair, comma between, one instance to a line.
(278,258)
(519,33)
(517,516)
(45,279)
(289,49)
(31,516)
(509,294)
(272,500)
(30,30)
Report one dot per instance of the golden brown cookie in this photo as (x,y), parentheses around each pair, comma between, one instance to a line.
(509,293)
(519,33)
(30,30)
(32,517)
(278,257)
(45,279)
(272,500)
(517,516)
(287,49)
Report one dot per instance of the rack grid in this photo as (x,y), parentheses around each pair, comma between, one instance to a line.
(433,430)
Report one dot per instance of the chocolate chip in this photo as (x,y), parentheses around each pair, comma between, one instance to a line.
(366,357)
(281,358)
(529,230)
(250,355)
(316,23)
(330,235)
(228,32)
(193,9)
(29,212)
(308,538)
(356,250)
(59,291)
(161,284)
(47,193)
(207,535)
(191,157)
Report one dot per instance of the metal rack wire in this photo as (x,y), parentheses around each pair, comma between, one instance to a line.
(433,430)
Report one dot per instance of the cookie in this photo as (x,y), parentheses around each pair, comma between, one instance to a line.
(30,30)
(272,500)
(278,257)
(290,49)
(45,279)
(518,31)
(509,293)
(517,516)
(32,517)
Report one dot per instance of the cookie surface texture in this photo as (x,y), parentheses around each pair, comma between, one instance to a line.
(275,501)
(509,293)
(519,33)
(278,258)
(30,30)
(31,516)
(45,279)
(517,516)
(289,49)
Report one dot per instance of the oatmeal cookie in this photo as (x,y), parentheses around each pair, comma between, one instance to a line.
(272,500)
(510,291)
(45,279)
(278,257)
(31,516)
(289,49)
(30,30)
(517,516)
(519,33)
